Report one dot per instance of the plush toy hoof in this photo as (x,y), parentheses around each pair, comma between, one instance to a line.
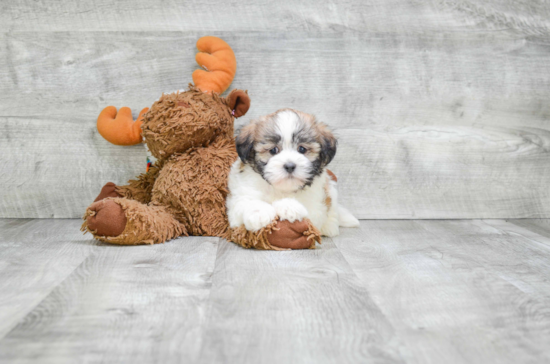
(109,190)
(106,218)
(289,235)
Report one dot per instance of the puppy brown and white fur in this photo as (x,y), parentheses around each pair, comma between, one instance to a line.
(281,172)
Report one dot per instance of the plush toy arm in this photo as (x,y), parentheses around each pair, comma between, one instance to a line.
(140,189)
(279,235)
(120,129)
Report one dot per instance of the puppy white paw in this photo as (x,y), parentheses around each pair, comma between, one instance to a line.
(290,209)
(259,215)
(330,230)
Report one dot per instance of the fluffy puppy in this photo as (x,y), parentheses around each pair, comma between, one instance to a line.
(281,172)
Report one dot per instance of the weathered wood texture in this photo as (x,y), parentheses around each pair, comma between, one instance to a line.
(55,166)
(525,16)
(539,226)
(119,304)
(457,291)
(392,291)
(441,107)
(292,307)
(35,257)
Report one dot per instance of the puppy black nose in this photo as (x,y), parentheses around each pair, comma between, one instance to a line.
(290,167)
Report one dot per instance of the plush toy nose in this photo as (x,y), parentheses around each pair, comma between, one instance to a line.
(290,167)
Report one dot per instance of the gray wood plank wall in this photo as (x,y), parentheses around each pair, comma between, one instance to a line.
(442,107)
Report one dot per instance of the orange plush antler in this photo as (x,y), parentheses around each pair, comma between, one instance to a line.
(219,63)
(120,129)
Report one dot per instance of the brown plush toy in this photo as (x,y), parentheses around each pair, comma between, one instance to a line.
(191,135)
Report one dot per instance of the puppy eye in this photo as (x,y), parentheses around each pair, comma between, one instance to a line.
(302,150)
(274,151)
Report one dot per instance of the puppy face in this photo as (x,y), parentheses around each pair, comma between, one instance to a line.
(288,148)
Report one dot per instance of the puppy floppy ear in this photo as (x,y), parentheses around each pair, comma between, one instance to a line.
(245,143)
(239,102)
(328,143)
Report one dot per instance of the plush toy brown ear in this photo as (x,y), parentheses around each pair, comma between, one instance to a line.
(239,102)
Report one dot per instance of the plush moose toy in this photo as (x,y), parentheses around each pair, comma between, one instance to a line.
(191,135)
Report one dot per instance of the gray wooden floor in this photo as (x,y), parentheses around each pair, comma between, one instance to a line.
(407,291)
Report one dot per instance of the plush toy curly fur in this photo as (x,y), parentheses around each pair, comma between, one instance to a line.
(191,135)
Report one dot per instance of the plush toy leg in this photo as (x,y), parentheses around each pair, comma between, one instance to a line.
(127,222)
(212,221)
(279,235)
(109,190)
(140,189)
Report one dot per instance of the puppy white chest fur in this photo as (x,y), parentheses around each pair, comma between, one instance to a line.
(247,187)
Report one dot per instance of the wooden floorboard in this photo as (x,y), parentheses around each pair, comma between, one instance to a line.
(35,257)
(456,291)
(122,304)
(538,226)
(292,307)
(393,291)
